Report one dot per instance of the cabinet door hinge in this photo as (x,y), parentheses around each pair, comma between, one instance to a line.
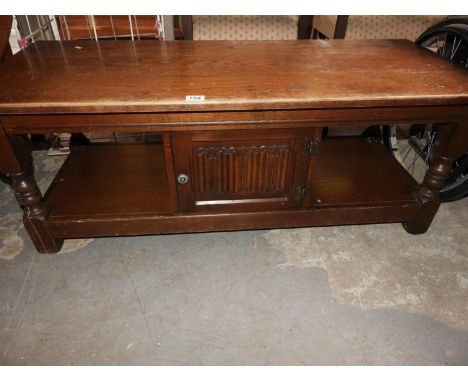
(302,192)
(310,146)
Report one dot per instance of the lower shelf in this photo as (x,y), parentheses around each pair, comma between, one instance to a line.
(355,171)
(111,180)
(124,190)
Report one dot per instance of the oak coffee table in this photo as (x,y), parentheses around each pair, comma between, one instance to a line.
(239,129)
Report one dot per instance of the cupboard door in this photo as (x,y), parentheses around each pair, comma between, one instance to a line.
(242,170)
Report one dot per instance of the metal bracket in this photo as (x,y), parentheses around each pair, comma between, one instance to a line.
(310,146)
(301,192)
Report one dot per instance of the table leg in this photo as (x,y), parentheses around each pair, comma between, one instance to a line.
(18,167)
(452,143)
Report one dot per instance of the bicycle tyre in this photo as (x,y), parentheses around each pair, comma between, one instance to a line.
(457,186)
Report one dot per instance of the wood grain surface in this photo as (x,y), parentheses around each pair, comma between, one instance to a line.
(149,76)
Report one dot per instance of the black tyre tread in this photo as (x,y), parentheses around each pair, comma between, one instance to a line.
(456,30)
(447,22)
(455,194)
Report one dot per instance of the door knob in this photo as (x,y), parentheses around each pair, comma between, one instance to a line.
(182,178)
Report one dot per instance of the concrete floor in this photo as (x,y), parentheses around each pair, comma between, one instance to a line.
(319,296)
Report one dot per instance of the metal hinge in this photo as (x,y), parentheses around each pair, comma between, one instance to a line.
(310,146)
(301,192)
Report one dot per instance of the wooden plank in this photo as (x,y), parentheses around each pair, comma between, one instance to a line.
(102,180)
(65,227)
(5,30)
(169,163)
(355,171)
(222,120)
(125,76)
(9,164)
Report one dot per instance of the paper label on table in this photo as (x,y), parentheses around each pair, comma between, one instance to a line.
(195,98)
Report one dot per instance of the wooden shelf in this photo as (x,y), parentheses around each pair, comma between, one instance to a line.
(124,189)
(111,180)
(355,171)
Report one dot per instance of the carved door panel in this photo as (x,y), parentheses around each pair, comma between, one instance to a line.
(243,170)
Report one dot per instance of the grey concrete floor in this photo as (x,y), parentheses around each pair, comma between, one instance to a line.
(319,296)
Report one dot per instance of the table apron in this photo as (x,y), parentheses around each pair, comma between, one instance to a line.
(160,122)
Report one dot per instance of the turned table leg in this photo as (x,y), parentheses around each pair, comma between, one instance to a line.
(452,143)
(17,164)
(428,195)
(29,197)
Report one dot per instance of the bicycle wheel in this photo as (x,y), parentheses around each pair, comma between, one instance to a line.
(412,145)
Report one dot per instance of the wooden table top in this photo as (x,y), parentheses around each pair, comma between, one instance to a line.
(147,76)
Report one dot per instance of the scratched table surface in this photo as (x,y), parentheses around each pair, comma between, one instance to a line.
(152,76)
